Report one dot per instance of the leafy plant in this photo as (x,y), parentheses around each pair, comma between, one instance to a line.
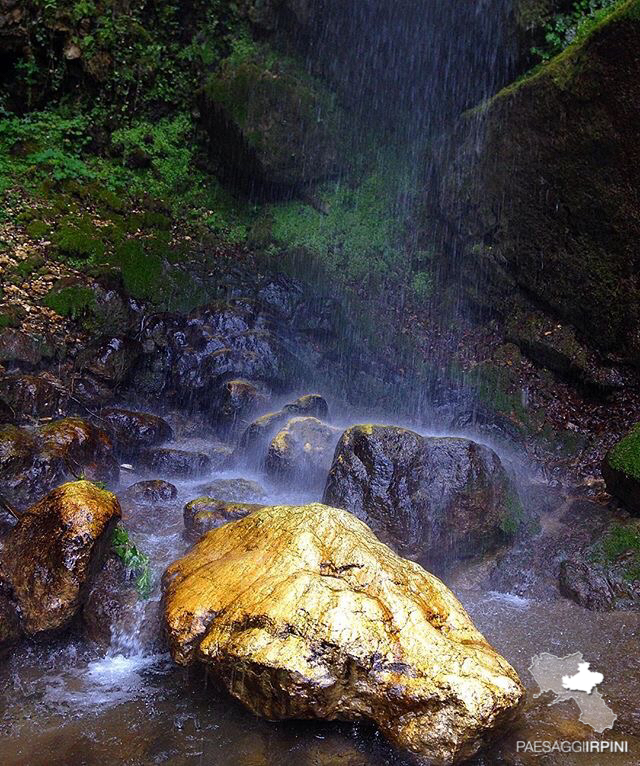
(136,562)
(565,28)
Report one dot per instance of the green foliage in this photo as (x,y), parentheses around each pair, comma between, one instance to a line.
(136,562)
(563,29)
(73,301)
(7,321)
(625,455)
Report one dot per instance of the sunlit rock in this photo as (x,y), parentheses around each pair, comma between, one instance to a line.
(301,612)
(302,451)
(54,550)
(433,499)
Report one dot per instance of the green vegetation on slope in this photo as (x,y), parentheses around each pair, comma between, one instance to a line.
(625,455)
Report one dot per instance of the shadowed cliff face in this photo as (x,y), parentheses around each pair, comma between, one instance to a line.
(546,204)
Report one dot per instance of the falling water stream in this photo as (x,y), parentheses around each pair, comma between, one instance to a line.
(65,703)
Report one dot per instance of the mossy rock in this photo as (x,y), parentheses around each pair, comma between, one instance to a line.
(549,209)
(271,124)
(79,238)
(70,301)
(621,470)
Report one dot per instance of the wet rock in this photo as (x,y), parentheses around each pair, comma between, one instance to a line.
(234,490)
(111,598)
(75,446)
(115,616)
(606,574)
(263,149)
(205,513)
(17,449)
(277,614)
(110,359)
(40,396)
(19,348)
(149,492)
(551,188)
(281,295)
(302,451)
(621,470)
(177,463)
(134,431)
(312,405)
(257,435)
(237,400)
(433,499)
(33,462)
(255,439)
(50,557)
(585,585)
(10,631)
(189,358)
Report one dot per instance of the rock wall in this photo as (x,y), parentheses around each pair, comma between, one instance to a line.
(543,190)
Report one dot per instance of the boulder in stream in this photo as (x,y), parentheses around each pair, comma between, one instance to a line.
(50,557)
(302,451)
(205,513)
(432,499)
(234,490)
(176,463)
(134,431)
(149,492)
(301,612)
(33,461)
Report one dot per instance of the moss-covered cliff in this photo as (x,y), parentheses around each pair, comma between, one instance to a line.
(544,188)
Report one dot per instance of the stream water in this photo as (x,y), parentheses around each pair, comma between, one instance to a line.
(70,704)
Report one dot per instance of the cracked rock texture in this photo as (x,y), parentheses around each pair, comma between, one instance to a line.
(301,612)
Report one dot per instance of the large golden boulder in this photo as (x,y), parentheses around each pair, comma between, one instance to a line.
(301,612)
(50,556)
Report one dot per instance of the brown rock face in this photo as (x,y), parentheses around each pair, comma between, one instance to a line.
(300,612)
(52,552)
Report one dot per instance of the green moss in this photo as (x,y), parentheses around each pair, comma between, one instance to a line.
(621,543)
(38,229)
(30,265)
(142,272)
(7,320)
(513,516)
(561,67)
(625,456)
(79,238)
(73,301)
